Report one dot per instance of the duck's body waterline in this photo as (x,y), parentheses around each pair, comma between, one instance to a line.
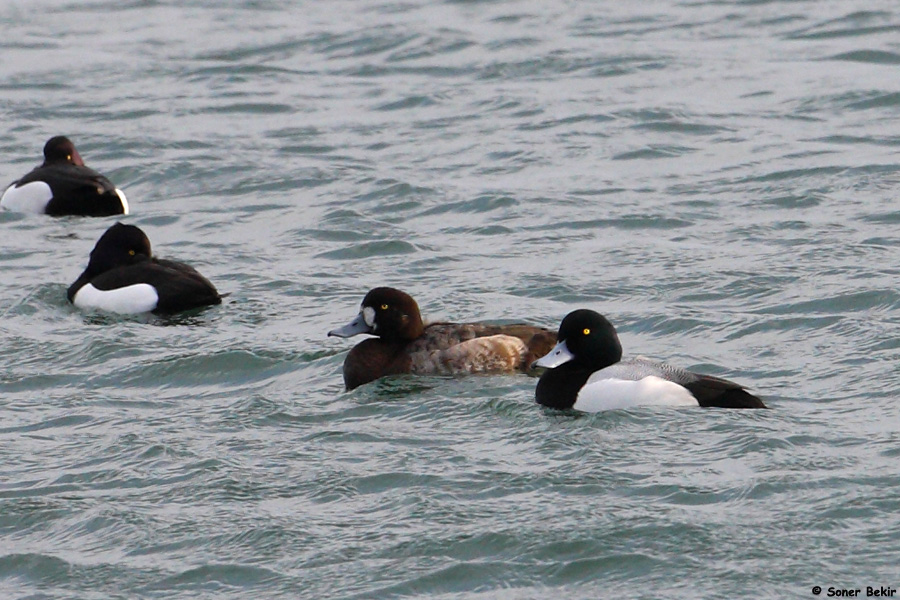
(405,345)
(63,185)
(586,372)
(123,276)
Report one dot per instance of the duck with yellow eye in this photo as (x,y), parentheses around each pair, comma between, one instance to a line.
(123,276)
(585,371)
(63,185)
(406,345)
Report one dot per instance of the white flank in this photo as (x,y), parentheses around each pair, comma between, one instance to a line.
(124,201)
(31,197)
(132,299)
(599,394)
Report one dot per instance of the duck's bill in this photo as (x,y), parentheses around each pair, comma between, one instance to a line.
(354,327)
(560,355)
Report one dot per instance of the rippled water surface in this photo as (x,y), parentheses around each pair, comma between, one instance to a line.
(718,177)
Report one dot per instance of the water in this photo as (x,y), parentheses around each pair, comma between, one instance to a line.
(719,178)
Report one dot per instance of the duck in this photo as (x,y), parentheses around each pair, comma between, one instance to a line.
(63,185)
(124,277)
(404,344)
(585,372)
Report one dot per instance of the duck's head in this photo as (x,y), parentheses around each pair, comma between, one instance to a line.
(60,149)
(586,337)
(387,312)
(119,246)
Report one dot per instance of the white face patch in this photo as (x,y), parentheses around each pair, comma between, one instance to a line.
(368,314)
(132,299)
(31,197)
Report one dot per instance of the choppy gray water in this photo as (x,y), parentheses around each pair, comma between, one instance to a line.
(718,177)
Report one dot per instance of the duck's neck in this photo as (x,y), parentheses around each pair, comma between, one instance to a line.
(410,330)
(373,359)
(558,388)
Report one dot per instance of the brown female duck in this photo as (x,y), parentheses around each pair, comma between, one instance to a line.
(405,344)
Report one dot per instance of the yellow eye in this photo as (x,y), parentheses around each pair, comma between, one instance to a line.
(384,307)
(131,253)
(586,331)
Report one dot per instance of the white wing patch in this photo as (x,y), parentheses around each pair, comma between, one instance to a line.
(124,200)
(602,393)
(132,299)
(30,198)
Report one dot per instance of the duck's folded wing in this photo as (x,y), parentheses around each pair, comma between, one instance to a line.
(539,341)
(71,178)
(79,190)
(636,369)
(491,354)
(179,286)
(712,391)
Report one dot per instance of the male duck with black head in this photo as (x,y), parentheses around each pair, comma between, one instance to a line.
(586,372)
(63,185)
(124,277)
(404,344)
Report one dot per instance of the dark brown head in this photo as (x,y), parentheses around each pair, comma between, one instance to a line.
(388,313)
(60,149)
